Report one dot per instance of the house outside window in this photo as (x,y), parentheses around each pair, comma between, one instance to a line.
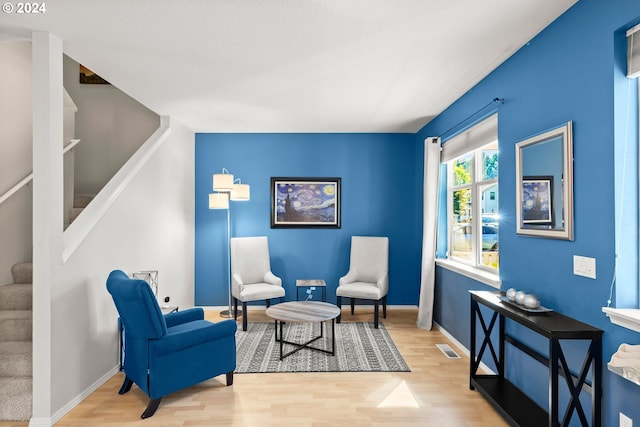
(471,160)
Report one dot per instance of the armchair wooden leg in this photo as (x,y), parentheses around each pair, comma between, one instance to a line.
(267,302)
(244,315)
(151,408)
(376,306)
(126,385)
(353,305)
(229,378)
(384,306)
(235,309)
(339,304)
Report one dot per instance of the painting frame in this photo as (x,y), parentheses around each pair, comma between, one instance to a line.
(548,153)
(305,202)
(533,187)
(88,77)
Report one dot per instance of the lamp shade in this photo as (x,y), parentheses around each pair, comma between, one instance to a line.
(240,192)
(222,182)
(218,201)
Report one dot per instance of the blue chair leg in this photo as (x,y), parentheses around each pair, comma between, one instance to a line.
(151,408)
(126,385)
(229,378)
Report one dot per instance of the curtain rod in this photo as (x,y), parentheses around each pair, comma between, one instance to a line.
(493,101)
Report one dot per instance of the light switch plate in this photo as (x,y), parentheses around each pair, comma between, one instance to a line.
(584,266)
(625,421)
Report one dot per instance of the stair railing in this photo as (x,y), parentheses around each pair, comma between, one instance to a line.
(29,177)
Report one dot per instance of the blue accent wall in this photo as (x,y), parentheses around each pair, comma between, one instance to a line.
(573,70)
(381,196)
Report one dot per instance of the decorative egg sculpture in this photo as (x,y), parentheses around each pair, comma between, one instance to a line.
(531,301)
(520,297)
(511,294)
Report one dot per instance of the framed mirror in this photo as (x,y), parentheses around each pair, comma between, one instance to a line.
(544,187)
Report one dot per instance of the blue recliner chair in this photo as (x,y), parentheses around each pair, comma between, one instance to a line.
(168,353)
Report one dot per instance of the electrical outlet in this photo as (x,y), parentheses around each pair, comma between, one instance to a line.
(625,421)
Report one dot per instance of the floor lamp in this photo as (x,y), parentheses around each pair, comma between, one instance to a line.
(227,188)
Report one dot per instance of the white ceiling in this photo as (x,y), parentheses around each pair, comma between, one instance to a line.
(292,65)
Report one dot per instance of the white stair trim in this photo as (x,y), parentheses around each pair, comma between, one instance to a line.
(81,226)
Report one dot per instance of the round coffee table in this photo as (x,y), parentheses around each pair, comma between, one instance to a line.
(304,311)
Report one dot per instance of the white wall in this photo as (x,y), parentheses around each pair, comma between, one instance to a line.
(111,125)
(15,161)
(150,226)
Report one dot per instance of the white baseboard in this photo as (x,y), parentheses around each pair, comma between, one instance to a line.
(48,422)
(461,347)
(40,422)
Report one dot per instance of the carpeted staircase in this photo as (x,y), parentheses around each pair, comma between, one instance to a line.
(80,201)
(16,345)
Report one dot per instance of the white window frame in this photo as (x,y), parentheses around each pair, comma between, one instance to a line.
(471,140)
(476,206)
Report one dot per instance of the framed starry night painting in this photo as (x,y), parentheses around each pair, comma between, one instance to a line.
(305,202)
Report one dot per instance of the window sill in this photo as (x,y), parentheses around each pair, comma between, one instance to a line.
(626,317)
(483,276)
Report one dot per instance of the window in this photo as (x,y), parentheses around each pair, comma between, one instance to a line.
(472,196)
(624,288)
(474,229)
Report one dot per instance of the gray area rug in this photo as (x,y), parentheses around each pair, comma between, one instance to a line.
(359,348)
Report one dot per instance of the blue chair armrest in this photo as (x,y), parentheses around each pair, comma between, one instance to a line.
(193,335)
(184,316)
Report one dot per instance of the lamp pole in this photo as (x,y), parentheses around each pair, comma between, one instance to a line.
(224,183)
(229,313)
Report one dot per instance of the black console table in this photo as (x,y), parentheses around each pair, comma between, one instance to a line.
(514,405)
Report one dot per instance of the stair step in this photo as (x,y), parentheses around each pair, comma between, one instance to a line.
(22,272)
(82,200)
(16,325)
(16,359)
(15,399)
(73,214)
(16,296)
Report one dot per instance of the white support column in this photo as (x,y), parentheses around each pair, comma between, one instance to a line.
(47,210)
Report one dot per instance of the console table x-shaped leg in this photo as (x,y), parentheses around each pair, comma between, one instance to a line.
(554,328)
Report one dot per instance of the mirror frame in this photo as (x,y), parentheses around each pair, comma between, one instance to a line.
(565,232)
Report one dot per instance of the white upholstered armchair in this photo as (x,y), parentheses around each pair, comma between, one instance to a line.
(368,275)
(251,276)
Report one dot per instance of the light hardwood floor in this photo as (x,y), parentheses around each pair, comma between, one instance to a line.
(435,393)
